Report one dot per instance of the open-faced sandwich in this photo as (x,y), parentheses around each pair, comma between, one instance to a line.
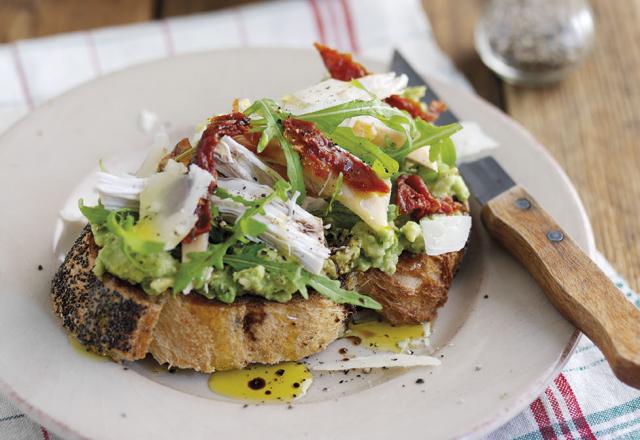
(255,239)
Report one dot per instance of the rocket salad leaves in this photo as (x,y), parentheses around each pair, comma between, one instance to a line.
(246,226)
(272,118)
(383,164)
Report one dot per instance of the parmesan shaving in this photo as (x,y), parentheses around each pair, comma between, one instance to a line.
(445,233)
(379,360)
(472,140)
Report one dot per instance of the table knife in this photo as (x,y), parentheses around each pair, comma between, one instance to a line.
(580,291)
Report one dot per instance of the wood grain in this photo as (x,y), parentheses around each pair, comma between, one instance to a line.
(35,18)
(573,283)
(591,123)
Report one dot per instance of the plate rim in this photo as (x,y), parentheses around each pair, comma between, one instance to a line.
(500,418)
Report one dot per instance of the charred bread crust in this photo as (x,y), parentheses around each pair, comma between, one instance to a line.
(107,315)
(415,291)
(207,335)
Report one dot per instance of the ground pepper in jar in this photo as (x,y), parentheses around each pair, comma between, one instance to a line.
(534,41)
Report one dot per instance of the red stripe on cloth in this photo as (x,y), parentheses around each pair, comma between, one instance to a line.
(22,76)
(242,29)
(168,38)
(346,10)
(336,29)
(45,433)
(93,52)
(557,411)
(542,419)
(318,19)
(574,407)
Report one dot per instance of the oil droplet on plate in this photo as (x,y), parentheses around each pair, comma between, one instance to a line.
(281,382)
(84,352)
(380,335)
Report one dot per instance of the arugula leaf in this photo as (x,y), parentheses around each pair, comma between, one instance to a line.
(445,150)
(97,215)
(332,290)
(252,227)
(328,119)
(429,134)
(191,270)
(383,164)
(121,224)
(273,116)
(268,109)
(245,225)
(224,194)
(291,271)
(281,188)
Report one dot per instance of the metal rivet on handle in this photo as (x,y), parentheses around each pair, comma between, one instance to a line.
(555,236)
(523,204)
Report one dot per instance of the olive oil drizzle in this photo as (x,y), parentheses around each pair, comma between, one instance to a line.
(83,351)
(382,336)
(282,382)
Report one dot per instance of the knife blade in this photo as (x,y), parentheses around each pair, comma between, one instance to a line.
(570,279)
(486,177)
(400,65)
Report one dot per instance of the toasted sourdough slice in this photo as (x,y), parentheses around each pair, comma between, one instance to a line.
(106,315)
(115,318)
(193,333)
(415,291)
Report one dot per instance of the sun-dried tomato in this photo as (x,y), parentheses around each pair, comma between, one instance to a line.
(322,159)
(203,224)
(415,109)
(340,65)
(232,124)
(413,198)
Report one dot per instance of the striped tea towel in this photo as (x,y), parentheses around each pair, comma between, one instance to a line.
(584,401)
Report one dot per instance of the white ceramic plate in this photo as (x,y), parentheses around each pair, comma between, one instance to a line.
(498,352)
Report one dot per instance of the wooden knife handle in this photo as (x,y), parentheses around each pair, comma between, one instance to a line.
(573,283)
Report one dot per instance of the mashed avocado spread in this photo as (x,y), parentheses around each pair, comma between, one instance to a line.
(364,249)
(227,284)
(155,272)
(354,246)
(445,182)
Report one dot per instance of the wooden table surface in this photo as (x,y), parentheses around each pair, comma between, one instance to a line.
(590,122)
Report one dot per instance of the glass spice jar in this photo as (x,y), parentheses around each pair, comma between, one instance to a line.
(534,42)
